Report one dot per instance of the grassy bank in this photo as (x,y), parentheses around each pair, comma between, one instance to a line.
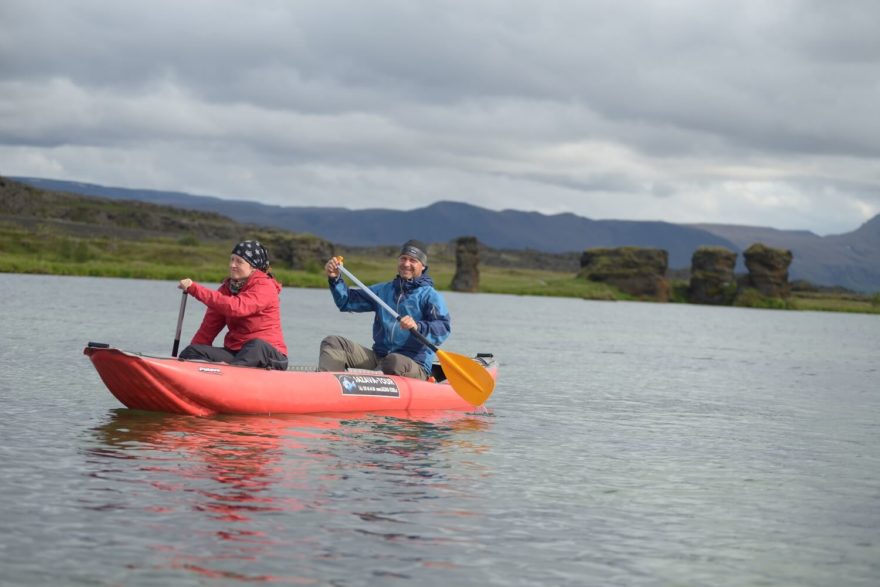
(834,302)
(48,251)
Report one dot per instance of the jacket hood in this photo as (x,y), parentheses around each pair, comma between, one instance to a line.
(408,285)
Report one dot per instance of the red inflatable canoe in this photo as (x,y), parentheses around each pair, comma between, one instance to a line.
(166,384)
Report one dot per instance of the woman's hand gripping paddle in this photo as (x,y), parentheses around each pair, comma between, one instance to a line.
(469,380)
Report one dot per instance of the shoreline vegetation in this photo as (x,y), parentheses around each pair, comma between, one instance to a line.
(164,258)
(53,233)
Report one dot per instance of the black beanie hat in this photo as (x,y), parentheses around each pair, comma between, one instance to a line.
(415,249)
(254,253)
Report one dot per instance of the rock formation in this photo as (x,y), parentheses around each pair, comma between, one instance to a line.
(467,259)
(639,272)
(297,251)
(713,280)
(768,270)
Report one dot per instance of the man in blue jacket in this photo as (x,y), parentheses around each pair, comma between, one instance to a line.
(395,351)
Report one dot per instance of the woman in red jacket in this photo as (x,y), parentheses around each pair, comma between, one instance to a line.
(247,304)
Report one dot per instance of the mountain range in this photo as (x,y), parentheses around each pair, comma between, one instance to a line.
(850,260)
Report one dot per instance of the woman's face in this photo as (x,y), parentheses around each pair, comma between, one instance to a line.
(239,268)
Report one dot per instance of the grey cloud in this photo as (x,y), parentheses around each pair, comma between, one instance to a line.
(460,88)
(605,183)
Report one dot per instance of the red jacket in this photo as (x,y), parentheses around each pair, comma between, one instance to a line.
(254,313)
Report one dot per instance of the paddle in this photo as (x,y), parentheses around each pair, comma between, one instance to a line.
(179,325)
(469,380)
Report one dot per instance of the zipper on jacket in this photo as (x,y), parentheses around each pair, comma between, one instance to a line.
(396,322)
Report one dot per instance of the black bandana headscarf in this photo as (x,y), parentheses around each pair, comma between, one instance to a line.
(254,253)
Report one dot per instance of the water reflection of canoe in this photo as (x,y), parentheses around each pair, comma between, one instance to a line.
(197,388)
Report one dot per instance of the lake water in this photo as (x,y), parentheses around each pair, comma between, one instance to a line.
(629,444)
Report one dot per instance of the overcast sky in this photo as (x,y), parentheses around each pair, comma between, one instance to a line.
(757,112)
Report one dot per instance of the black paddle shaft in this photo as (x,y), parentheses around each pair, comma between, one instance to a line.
(179,325)
(421,338)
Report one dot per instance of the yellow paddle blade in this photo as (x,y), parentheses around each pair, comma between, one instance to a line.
(468,378)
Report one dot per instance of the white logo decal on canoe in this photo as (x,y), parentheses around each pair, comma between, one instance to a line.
(211,370)
(368,385)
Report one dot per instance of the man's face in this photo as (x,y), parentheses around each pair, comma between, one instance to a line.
(409,267)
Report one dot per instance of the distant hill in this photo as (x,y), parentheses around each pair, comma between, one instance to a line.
(31,206)
(439,222)
(850,260)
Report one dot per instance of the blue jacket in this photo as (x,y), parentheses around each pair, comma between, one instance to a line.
(416,298)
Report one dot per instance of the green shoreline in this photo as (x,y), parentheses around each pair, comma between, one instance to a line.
(55,233)
(24,252)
